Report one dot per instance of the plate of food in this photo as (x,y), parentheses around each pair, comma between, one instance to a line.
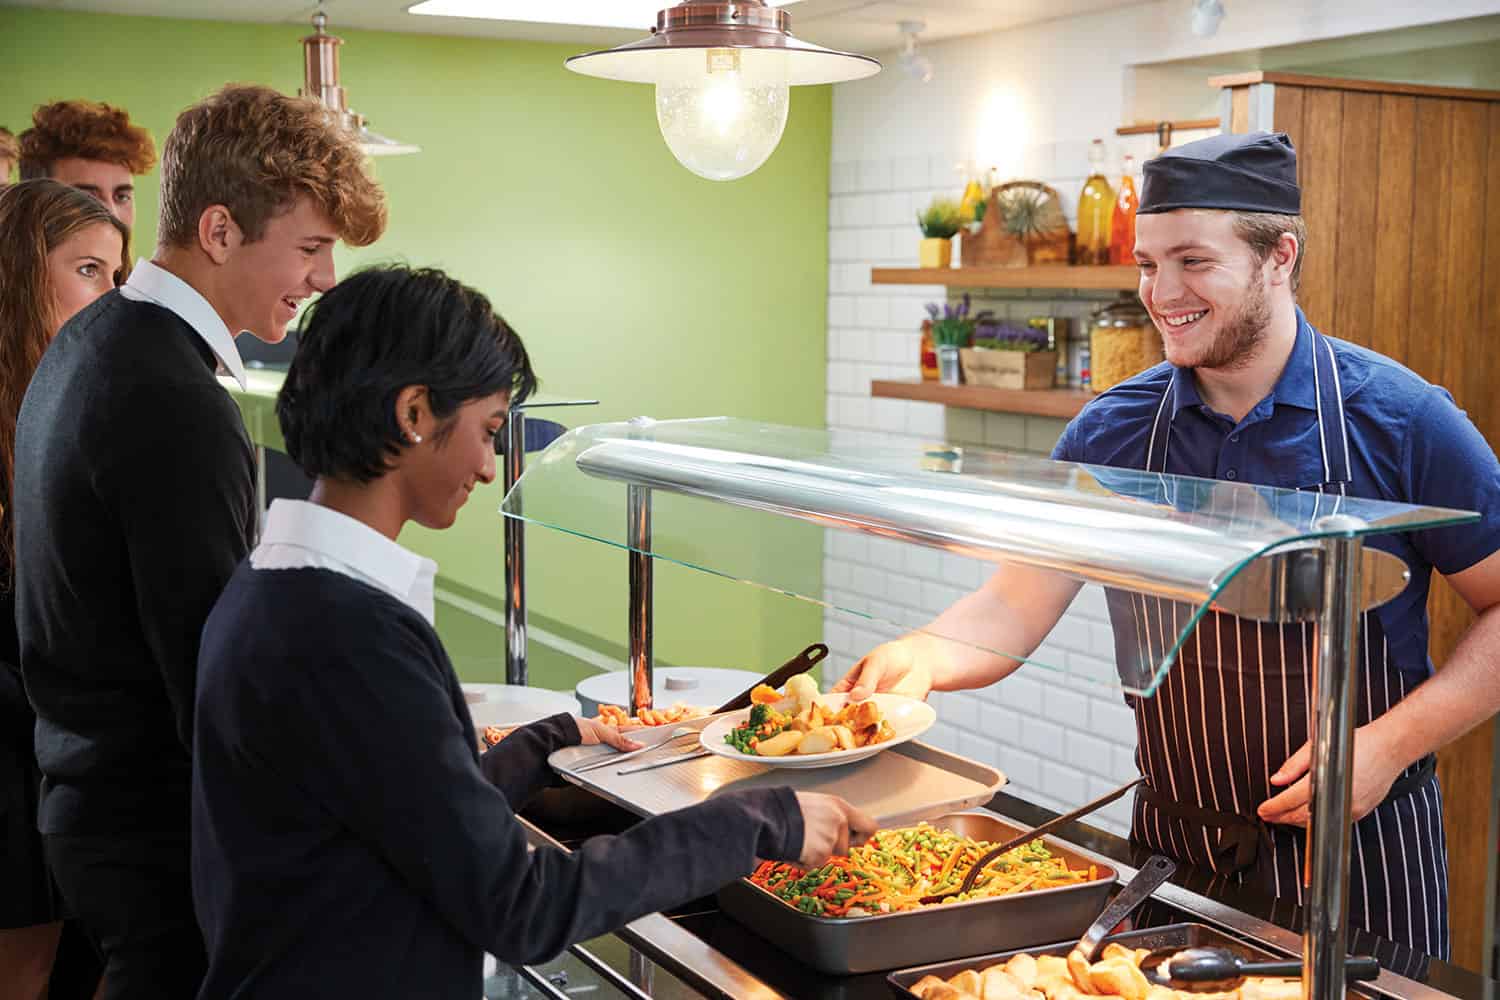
(799,727)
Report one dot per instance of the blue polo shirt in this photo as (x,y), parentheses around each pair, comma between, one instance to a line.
(1408,443)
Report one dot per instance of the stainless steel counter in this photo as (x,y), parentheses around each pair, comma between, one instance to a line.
(699,952)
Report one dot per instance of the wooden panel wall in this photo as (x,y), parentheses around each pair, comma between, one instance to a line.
(1401,194)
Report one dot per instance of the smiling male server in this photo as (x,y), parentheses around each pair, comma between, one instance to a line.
(1251,392)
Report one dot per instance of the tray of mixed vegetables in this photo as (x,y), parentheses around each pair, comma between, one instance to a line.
(862,912)
(897,868)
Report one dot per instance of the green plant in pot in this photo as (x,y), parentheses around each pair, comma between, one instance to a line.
(939,223)
(952,330)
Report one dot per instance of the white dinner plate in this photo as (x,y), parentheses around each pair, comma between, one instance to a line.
(909,717)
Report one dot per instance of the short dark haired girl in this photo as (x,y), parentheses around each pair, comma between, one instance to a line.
(345,828)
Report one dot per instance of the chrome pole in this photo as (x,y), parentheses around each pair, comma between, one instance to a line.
(515,531)
(638,538)
(1326,942)
(515,553)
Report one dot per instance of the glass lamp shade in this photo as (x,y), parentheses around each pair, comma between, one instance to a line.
(722,111)
(721,70)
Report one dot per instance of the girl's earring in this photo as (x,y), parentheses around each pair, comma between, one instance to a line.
(411,432)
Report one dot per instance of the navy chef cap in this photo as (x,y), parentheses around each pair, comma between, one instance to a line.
(1254,172)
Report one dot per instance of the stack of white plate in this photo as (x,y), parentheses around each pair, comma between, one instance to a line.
(514,705)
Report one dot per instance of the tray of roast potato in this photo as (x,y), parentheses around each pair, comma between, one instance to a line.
(1045,973)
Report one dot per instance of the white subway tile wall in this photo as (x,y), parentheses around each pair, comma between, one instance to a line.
(1058,733)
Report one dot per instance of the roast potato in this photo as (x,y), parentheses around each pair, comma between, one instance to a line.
(1119,976)
(780,745)
(820,740)
(996,984)
(1023,969)
(1078,967)
(865,714)
(921,986)
(942,991)
(968,981)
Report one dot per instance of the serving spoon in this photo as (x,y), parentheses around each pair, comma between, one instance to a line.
(1052,824)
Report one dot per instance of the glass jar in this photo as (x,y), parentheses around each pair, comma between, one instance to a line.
(1122,342)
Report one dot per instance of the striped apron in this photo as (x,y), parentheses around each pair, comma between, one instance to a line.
(1237,704)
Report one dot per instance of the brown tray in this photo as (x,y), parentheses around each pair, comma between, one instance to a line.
(933,933)
(1169,936)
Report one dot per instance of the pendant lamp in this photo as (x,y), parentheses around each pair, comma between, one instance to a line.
(320,63)
(721,71)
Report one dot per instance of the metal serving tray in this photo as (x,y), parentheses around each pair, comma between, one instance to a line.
(1168,936)
(933,933)
(896,787)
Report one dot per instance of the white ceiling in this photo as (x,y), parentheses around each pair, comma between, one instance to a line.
(858,25)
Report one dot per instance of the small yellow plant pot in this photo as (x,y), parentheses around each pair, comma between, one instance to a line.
(935,252)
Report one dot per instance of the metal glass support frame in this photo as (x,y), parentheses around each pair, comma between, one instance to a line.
(1329,581)
(1327,939)
(515,539)
(638,538)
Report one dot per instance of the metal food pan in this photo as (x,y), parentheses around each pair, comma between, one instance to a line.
(888,940)
(1169,936)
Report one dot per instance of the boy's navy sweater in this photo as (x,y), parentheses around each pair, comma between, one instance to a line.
(134,502)
(348,838)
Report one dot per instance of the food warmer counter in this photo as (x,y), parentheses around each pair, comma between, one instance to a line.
(717,495)
(698,951)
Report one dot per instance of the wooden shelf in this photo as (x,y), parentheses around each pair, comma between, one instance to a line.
(1060,403)
(1339,83)
(1151,128)
(1107,278)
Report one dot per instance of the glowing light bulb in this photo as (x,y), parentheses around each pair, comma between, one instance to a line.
(722,111)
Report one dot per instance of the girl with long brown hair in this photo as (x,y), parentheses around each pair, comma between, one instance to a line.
(60,249)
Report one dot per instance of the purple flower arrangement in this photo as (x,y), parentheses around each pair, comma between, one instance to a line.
(1009,337)
(952,326)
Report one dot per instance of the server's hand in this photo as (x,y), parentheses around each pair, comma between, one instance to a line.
(894,667)
(830,826)
(592,732)
(1376,768)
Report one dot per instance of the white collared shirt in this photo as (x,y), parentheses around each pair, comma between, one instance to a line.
(150,282)
(300,535)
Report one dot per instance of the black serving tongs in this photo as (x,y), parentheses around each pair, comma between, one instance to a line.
(1219,970)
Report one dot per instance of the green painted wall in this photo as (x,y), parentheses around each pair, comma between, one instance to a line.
(631,280)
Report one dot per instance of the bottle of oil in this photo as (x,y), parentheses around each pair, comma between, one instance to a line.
(1096,207)
(1122,224)
(973,195)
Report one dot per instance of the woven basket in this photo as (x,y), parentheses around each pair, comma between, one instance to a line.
(994,246)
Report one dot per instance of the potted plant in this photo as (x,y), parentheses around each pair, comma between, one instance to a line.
(938,223)
(1009,356)
(952,328)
